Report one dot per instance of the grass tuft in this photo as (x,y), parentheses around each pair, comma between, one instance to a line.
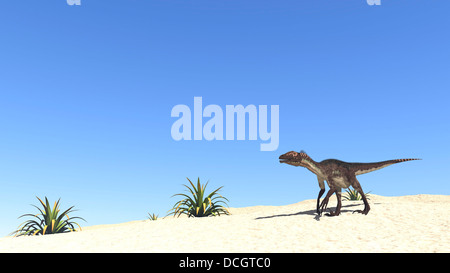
(48,221)
(353,195)
(198,204)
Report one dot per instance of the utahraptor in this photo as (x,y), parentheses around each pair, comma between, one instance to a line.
(338,174)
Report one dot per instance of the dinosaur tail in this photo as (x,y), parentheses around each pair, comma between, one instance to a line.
(362,168)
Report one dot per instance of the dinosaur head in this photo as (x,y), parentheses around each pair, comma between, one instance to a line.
(295,159)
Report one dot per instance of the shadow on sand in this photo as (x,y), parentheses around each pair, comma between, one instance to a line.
(311,212)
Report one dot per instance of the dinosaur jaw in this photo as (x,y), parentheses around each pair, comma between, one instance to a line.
(301,162)
(290,158)
(292,162)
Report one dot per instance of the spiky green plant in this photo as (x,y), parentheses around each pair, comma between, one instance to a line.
(354,195)
(152,217)
(48,221)
(199,204)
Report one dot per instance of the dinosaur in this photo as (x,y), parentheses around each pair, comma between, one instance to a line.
(338,174)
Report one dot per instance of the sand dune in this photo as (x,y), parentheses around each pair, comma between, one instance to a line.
(417,223)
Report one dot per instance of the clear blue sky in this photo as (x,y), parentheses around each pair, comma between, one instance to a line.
(86,94)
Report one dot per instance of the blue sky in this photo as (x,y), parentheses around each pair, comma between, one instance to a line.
(86,94)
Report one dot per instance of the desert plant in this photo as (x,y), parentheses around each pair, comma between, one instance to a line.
(198,205)
(354,195)
(48,221)
(152,217)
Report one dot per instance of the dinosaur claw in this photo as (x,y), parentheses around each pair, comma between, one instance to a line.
(361,211)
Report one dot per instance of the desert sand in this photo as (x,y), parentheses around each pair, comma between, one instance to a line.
(416,223)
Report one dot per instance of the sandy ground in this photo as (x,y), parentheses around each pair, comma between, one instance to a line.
(416,223)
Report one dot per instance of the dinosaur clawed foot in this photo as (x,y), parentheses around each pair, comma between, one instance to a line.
(361,211)
(332,213)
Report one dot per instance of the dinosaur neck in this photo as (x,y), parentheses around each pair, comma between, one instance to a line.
(313,166)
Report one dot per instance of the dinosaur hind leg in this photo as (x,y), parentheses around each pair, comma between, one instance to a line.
(358,188)
(323,205)
(339,204)
(318,200)
(322,190)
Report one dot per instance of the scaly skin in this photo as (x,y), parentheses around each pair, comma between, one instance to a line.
(338,174)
